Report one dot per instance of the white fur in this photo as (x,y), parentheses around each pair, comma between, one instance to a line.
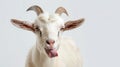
(68,56)
(50,25)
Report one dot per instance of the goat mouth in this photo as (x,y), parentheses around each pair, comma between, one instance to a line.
(51,52)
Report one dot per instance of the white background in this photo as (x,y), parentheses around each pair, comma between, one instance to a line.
(98,38)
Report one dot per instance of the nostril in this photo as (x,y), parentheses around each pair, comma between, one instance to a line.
(47,42)
(50,42)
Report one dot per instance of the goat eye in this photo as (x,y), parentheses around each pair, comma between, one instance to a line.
(37,28)
(62,28)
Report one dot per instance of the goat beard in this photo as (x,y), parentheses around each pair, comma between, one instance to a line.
(51,52)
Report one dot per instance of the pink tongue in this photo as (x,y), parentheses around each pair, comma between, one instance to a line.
(53,53)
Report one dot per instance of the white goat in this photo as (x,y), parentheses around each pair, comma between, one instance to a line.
(51,50)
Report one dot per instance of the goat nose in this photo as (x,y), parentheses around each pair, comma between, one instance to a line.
(50,42)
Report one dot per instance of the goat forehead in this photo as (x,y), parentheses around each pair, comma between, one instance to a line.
(50,28)
(49,20)
(48,15)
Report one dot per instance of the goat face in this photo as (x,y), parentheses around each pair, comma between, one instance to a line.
(48,27)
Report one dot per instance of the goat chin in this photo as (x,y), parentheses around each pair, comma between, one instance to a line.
(68,56)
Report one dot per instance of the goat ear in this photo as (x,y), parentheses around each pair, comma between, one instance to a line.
(22,24)
(72,24)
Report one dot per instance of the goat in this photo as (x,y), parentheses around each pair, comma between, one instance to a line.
(51,49)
